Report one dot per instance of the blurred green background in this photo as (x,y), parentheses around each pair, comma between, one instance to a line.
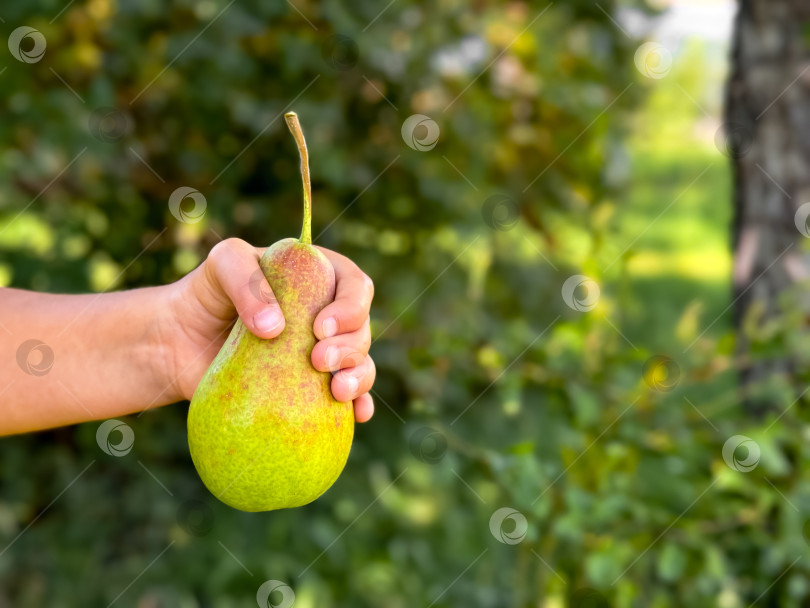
(603,428)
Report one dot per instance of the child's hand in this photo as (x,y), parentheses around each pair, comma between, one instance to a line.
(205,303)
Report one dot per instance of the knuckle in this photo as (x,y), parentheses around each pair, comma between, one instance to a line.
(348,358)
(224,246)
(225,249)
(354,359)
(365,340)
(371,372)
(369,285)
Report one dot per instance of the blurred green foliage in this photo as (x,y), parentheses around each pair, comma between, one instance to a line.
(491,392)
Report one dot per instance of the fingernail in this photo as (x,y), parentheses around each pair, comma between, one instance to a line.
(352,383)
(333,358)
(329,327)
(268,320)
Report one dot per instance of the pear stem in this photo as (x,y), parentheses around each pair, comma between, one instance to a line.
(298,134)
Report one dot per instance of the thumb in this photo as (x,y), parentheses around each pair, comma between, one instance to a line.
(235,267)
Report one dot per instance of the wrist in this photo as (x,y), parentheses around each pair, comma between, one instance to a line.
(163,341)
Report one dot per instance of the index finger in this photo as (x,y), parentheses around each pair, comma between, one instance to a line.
(353,294)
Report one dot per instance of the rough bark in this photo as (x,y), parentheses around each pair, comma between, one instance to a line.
(768,138)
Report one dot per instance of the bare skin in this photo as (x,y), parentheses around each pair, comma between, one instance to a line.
(129,351)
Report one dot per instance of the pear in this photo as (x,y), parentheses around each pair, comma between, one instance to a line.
(264,430)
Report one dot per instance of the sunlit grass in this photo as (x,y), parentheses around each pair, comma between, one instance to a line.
(710,265)
(672,224)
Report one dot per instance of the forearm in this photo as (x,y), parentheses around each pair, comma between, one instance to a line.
(112,354)
(109,358)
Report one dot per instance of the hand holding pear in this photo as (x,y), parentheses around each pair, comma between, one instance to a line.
(264,430)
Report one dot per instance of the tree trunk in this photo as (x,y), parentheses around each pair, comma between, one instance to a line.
(767,134)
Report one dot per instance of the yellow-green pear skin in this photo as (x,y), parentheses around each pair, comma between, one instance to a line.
(264,430)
